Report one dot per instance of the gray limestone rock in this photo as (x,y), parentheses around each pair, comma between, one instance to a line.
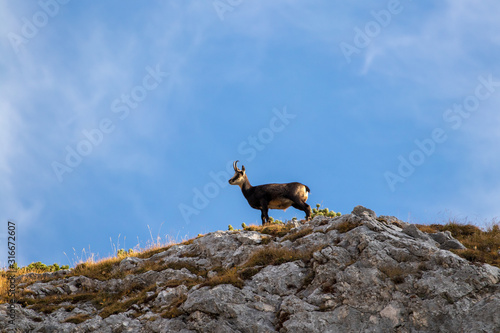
(281,280)
(129,263)
(380,275)
(362,211)
(452,244)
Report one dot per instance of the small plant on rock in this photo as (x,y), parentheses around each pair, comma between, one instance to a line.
(123,253)
(323,212)
(273,221)
(39,266)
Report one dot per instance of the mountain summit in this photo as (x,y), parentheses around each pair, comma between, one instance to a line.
(351,273)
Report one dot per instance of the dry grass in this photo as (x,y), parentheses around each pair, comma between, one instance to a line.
(49,304)
(101,270)
(114,305)
(22,276)
(266,240)
(344,226)
(275,230)
(230,276)
(272,255)
(293,236)
(152,251)
(247,272)
(4,287)
(160,266)
(106,303)
(104,269)
(483,246)
(44,308)
(456,229)
(478,256)
(173,310)
(78,319)
(175,283)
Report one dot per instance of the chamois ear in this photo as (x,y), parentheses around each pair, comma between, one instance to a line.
(243,168)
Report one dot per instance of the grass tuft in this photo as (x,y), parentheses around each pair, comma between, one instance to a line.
(483,246)
(272,255)
(275,230)
(344,226)
(173,310)
(152,251)
(248,272)
(78,319)
(230,276)
(293,236)
(101,270)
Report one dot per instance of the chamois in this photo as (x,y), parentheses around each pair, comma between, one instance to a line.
(271,196)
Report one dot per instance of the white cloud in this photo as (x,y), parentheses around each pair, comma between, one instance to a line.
(442,49)
(12,128)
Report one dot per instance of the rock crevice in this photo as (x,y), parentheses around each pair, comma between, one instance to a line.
(351,273)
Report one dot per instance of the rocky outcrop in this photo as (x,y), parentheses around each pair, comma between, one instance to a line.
(352,273)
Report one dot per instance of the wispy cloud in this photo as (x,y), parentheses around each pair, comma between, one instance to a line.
(430,48)
(65,80)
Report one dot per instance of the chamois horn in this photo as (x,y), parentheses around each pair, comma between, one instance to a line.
(234,166)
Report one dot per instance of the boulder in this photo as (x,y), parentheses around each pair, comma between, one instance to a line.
(356,273)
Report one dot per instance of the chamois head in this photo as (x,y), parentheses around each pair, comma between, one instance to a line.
(239,175)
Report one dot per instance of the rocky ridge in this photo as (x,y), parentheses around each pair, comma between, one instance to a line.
(352,273)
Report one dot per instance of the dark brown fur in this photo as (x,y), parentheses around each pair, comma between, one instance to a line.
(271,196)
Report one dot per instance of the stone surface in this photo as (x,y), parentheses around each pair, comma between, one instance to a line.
(129,263)
(280,280)
(381,275)
(441,237)
(362,212)
(452,244)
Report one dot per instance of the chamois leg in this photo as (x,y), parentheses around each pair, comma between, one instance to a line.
(303,207)
(264,216)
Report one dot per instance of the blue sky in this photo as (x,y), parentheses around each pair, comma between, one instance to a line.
(118,119)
